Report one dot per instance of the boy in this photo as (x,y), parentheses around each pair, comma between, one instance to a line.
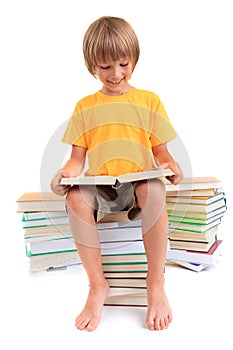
(121,129)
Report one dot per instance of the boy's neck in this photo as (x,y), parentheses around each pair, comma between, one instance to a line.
(123,91)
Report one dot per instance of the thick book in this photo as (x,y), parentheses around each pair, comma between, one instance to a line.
(188,265)
(196,215)
(195,183)
(53,260)
(65,229)
(206,192)
(127,258)
(127,282)
(47,230)
(194,245)
(123,274)
(126,297)
(46,237)
(40,201)
(116,181)
(195,199)
(41,215)
(215,215)
(68,244)
(180,235)
(198,208)
(53,246)
(120,234)
(141,266)
(208,258)
(193,227)
(45,222)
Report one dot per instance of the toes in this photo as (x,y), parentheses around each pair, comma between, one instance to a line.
(150,323)
(159,323)
(169,317)
(162,324)
(81,323)
(92,325)
(86,323)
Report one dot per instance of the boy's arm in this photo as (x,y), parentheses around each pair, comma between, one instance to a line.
(164,160)
(73,167)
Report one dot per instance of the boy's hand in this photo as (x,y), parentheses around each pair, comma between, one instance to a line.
(58,189)
(176,169)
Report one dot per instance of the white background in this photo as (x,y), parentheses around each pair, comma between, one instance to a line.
(186,58)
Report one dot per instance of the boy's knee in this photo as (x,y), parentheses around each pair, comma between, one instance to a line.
(73,198)
(158,188)
(152,187)
(79,198)
(151,192)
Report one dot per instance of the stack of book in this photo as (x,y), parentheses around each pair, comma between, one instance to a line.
(49,244)
(195,210)
(46,231)
(125,265)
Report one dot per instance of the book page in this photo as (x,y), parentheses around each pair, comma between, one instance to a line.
(89,180)
(144,175)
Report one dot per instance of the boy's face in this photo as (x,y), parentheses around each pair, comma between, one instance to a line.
(115,76)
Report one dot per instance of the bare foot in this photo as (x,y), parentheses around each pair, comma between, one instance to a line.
(159,314)
(89,317)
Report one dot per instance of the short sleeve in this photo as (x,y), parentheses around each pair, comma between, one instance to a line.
(75,131)
(162,130)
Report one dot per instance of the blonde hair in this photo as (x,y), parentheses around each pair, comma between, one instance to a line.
(109,39)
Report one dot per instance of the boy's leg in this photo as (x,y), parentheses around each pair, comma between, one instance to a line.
(80,204)
(151,198)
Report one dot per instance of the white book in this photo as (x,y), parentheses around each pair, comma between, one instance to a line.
(116,181)
(208,258)
(53,261)
(195,183)
(121,241)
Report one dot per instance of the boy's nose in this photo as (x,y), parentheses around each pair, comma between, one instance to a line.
(116,72)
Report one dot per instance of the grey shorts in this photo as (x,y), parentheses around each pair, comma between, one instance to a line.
(116,204)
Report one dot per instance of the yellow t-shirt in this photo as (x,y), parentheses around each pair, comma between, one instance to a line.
(119,131)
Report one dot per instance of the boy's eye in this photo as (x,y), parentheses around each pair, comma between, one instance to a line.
(121,64)
(104,67)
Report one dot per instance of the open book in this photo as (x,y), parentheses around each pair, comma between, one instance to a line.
(116,181)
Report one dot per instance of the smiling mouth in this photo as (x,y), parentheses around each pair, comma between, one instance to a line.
(116,82)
